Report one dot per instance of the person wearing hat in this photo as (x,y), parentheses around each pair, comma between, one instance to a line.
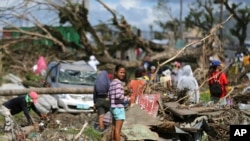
(216,74)
(18,104)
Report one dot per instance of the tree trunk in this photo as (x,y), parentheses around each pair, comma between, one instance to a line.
(52,91)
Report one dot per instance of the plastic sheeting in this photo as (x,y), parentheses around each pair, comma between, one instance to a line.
(46,103)
(188,81)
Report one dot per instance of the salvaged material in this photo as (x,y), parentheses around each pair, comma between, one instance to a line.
(211,114)
(135,115)
(137,124)
(148,103)
(173,107)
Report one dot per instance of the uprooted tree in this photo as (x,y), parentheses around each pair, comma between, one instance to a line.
(76,15)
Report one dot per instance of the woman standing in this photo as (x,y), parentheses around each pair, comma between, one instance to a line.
(117,100)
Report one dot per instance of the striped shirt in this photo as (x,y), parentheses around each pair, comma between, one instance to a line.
(116,94)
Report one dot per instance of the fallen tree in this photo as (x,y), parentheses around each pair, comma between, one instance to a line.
(76,14)
(11,92)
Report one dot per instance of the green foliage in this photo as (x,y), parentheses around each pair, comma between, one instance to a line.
(201,15)
(33,77)
(88,132)
(20,118)
(163,11)
(205,96)
(1,120)
(92,133)
(242,17)
(72,131)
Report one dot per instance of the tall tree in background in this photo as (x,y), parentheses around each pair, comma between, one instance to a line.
(166,21)
(242,16)
(201,15)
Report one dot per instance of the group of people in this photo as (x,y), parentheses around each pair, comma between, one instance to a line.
(109,95)
(181,79)
(114,94)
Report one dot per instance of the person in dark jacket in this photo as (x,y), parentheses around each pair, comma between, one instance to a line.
(101,100)
(18,104)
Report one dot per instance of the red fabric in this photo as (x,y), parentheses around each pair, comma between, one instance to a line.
(110,76)
(138,52)
(41,65)
(136,87)
(223,81)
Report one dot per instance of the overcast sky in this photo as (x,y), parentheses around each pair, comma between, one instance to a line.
(139,13)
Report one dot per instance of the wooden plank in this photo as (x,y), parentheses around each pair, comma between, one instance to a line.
(202,109)
(212,114)
(173,107)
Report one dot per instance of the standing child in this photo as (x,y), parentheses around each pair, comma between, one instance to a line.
(117,100)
